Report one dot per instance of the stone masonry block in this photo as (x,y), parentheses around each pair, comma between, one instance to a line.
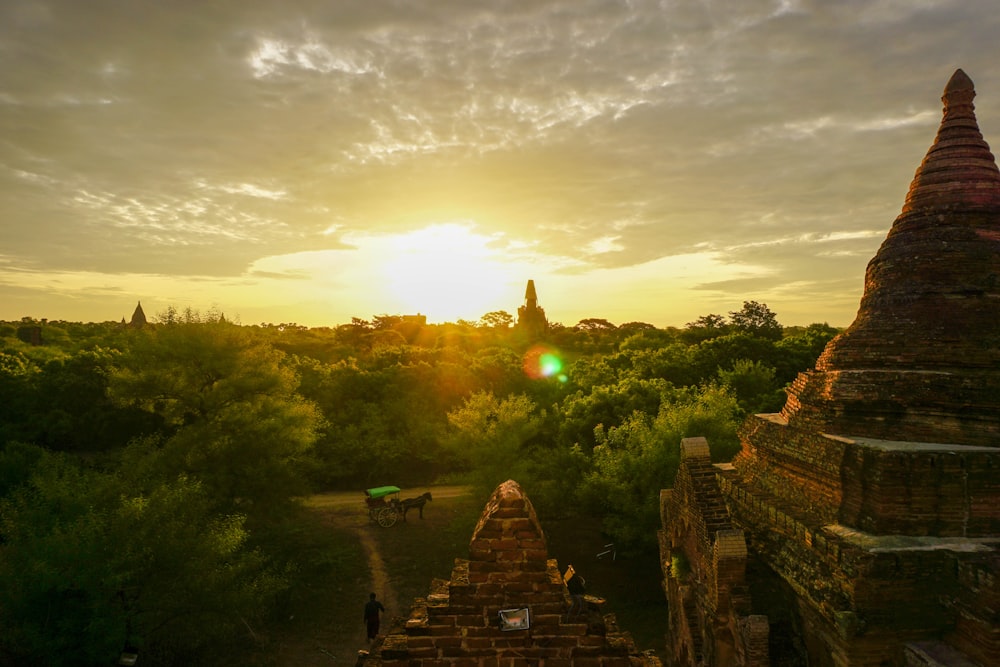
(695,448)
(730,544)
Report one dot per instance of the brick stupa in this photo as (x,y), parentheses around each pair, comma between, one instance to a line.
(458,623)
(870,506)
(922,359)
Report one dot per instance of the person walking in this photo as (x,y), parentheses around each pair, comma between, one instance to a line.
(372,610)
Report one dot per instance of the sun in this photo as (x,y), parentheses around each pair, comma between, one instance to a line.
(446,271)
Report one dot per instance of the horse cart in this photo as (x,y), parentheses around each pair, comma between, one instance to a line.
(383,505)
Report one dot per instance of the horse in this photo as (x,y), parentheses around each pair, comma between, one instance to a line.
(409,503)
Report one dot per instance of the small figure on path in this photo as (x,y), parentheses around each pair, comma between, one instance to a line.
(372,609)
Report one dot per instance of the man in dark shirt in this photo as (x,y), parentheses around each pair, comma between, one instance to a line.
(372,609)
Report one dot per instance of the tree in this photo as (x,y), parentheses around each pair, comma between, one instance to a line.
(383,322)
(710,321)
(235,421)
(491,434)
(499,370)
(633,461)
(754,386)
(723,352)
(595,324)
(756,319)
(633,327)
(607,406)
(647,339)
(798,352)
(89,563)
(704,328)
(497,319)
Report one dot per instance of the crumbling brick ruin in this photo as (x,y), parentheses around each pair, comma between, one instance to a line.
(458,623)
(860,526)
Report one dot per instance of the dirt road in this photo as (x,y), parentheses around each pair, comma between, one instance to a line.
(330,503)
(346,510)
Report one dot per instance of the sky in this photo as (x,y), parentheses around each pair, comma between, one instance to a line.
(311,161)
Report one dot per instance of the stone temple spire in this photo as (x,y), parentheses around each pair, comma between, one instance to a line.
(138,320)
(530,296)
(530,317)
(922,359)
(959,170)
(870,507)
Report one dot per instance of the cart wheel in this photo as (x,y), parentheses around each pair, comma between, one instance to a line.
(387,517)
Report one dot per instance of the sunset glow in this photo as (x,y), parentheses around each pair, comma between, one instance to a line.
(446,270)
(640,161)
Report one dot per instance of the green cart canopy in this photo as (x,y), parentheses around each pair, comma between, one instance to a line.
(380,491)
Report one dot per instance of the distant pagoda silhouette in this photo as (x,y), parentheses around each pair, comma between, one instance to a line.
(865,516)
(138,320)
(531,322)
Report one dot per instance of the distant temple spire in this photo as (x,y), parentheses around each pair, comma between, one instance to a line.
(138,320)
(530,296)
(530,317)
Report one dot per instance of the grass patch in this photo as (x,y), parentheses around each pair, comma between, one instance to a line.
(418,551)
(319,620)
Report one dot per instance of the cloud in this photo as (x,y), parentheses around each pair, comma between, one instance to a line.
(154,137)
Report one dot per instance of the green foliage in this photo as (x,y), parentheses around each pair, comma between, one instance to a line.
(17,461)
(724,351)
(632,462)
(595,324)
(62,402)
(646,338)
(89,565)
(607,406)
(756,319)
(489,435)
(497,319)
(675,362)
(704,328)
(384,424)
(754,386)
(237,424)
(798,352)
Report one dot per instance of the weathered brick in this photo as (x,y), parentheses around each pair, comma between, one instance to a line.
(508,568)
(877,484)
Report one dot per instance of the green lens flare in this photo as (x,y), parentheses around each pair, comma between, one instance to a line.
(549,364)
(543,361)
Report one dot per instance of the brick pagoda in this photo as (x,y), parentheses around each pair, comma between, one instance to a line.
(531,322)
(860,526)
(458,623)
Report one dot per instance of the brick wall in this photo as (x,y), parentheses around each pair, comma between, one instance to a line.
(704,564)
(457,624)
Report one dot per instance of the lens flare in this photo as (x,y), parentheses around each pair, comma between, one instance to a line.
(543,361)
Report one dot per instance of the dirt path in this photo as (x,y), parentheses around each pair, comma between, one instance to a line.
(379,576)
(326,645)
(380,582)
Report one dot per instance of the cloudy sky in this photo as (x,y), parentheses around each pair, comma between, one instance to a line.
(315,160)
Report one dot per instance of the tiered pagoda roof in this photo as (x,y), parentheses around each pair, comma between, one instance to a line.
(922,359)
